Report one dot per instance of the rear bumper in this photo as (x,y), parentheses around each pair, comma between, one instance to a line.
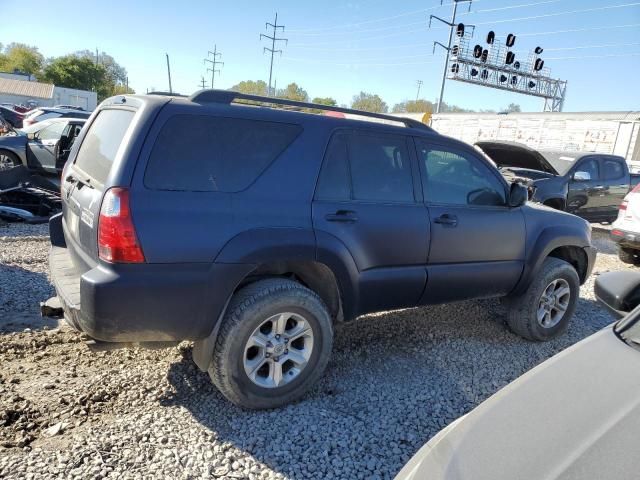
(142,303)
(625,238)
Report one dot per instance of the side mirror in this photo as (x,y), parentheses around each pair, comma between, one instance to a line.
(31,136)
(618,291)
(582,176)
(518,195)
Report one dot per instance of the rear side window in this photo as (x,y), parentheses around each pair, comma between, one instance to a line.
(333,183)
(101,144)
(613,170)
(214,154)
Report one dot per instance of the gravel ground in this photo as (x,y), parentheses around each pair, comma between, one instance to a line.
(394,380)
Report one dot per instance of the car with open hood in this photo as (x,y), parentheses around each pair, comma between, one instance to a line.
(589,184)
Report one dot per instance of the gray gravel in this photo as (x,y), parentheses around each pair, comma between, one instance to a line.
(395,379)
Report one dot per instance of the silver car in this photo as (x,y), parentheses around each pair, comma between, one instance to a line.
(575,416)
(42,147)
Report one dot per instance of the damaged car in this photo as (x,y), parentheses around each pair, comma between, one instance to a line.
(43,147)
(588,184)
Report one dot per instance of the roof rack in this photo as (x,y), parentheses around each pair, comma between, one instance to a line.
(229,96)
(166,94)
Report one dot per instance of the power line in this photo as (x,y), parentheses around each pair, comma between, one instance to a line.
(574,30)
(213,63)
(557,14)
(273,50)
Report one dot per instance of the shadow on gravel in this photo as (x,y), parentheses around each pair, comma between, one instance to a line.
(395,379)
(21,292)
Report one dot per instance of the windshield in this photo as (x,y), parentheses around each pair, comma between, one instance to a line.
(628,329)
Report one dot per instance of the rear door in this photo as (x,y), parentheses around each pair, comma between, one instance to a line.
(84,181)
(366,198)
(615,178)
(477,241)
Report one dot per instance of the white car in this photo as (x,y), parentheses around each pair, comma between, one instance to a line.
(626,228)
(574,417)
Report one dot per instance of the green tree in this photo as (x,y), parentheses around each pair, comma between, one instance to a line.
(71,71)
(369,102)
(513,108)
(325,101)
(21,57)
(250,87)
(413,106)
(293,92)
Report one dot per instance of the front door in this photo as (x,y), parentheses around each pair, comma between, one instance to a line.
(41,151)
(586,188)
(366,199)
(477,241)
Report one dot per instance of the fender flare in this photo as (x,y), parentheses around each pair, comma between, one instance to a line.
(548,240)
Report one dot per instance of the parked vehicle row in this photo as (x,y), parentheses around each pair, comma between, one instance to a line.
(40,114)
(588,184)
(252,231)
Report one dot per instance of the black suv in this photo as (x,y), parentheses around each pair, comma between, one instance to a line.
(253,230)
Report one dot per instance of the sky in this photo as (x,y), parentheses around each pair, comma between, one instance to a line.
(339,48)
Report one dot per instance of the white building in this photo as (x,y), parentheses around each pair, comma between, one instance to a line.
(17,89)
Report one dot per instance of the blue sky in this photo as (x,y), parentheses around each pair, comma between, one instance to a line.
(338,48)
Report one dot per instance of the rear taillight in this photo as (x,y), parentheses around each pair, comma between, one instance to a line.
(623,205)
(117,239)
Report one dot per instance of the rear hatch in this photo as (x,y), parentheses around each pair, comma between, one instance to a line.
(84,182)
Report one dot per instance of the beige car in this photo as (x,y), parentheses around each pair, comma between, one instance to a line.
(575,416)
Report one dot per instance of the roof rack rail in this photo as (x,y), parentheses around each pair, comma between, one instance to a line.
(166,94)
(229,96)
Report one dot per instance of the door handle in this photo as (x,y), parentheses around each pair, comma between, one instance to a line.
(598,188)
(345,216)
(447,219)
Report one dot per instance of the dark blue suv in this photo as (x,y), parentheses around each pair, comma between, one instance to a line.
(251,229)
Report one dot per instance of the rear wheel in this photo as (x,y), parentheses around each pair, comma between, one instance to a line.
(628,255)
(274,343)
(8,160)
(544,311)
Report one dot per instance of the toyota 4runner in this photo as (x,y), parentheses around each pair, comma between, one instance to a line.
(252,230)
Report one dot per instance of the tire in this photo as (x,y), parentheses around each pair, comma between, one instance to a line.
(523,310)
(248,319)
(627,255)
(8,160)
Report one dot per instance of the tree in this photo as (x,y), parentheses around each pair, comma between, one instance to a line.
(369,102)
(116,74)
(413,106)
(325,101)
(293,92)
(513,108)
(250,87)
(21,57)
(71,71)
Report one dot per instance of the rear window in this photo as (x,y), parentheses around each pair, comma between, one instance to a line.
(101,144)
(215,154)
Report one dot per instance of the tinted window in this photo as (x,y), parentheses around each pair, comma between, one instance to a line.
(591,167)
(457,178)
(210,154)
(333,183)
(101,144)
(380,168)
(51,132)
(613,170)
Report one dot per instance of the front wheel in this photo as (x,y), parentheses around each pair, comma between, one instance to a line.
(8,160)
(627,255)
(274,343)
(544,311)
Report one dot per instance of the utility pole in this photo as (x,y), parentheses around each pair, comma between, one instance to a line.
(419,82)
(213,63)
(169,73)
(273,50)
(452,25)
(203,84)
